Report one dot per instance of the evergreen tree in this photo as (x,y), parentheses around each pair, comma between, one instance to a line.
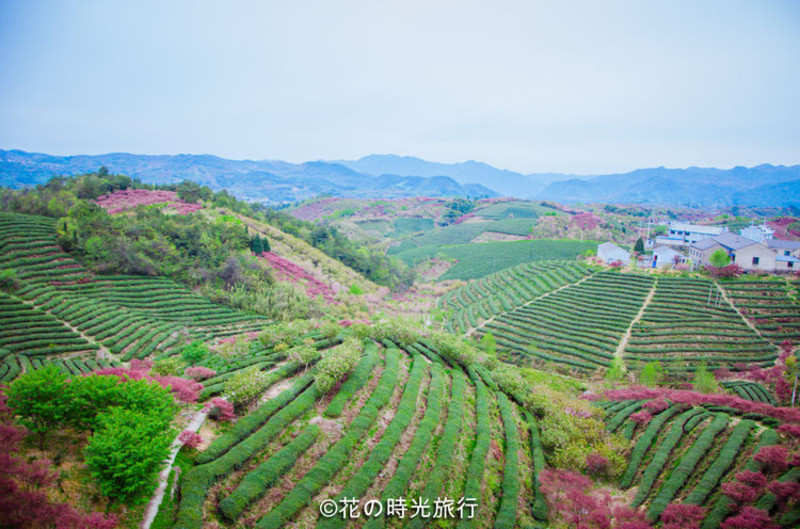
(639,246)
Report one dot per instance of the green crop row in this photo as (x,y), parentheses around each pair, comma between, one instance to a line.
(644,443)
(405,469)
(711,478)
(354,382)
(246,425)
(196,482)
(507,512)
(686,466)
(380,454)
(724,504)
(662,453)
(256,483)
(483,436)
(336,457)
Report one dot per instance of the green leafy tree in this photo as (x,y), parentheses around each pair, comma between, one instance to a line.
(39,397)
(194,352)
(719,258)
(704,380)
(639,246)
(125,454)
(652,374)
(89,396)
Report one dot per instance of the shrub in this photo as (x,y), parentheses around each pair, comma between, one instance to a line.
(220,410)
(199,373)
(773,457)
(245,386)
(748,518)
(171,366)
(337,364)
(39,398)
(354,382)
(190,439)
(682,516)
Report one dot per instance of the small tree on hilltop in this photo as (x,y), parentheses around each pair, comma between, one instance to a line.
(488,343)
(652,374)
(704,380)
(194,352)
(616,373)
(719,258)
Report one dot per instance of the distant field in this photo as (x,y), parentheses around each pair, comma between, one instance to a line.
(406,226)
(517,210)
(454,234)
(480,259)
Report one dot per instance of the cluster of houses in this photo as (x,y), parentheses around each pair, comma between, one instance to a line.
(754,249)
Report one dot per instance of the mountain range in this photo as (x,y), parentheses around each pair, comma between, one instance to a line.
(391,176)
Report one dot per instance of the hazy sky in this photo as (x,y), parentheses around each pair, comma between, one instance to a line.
(585,87)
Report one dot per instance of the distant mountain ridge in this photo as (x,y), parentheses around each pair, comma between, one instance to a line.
(762,185)
(270,181)
(392,176)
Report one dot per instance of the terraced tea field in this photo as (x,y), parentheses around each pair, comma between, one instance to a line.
(771,305)
(405,424)
(580,325)
(566,313)
(59,308)
(690,448)
(687,322)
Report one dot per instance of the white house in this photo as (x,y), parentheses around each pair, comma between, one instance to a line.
(664,257)
(610,252)
(684,233)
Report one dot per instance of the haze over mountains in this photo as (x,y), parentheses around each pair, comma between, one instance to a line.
(389,176)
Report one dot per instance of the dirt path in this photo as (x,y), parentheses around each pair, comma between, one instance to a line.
(537,298)
(744,318)
(624,342)
(155,502)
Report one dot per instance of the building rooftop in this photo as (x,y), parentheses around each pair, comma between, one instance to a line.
(783,245)
(705,244)
(696,228)
(732,241)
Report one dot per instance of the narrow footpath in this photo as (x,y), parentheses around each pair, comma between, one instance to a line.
(155,502)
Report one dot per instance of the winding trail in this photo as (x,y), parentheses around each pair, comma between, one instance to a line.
(155,502)
(627,336)
(537,298)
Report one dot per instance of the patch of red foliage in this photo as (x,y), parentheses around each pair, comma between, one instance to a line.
(695,398)
(586,221)
(24,485)
(128,199)
(288,271)
(185,390)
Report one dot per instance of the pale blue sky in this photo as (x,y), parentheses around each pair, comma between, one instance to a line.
(585,87)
